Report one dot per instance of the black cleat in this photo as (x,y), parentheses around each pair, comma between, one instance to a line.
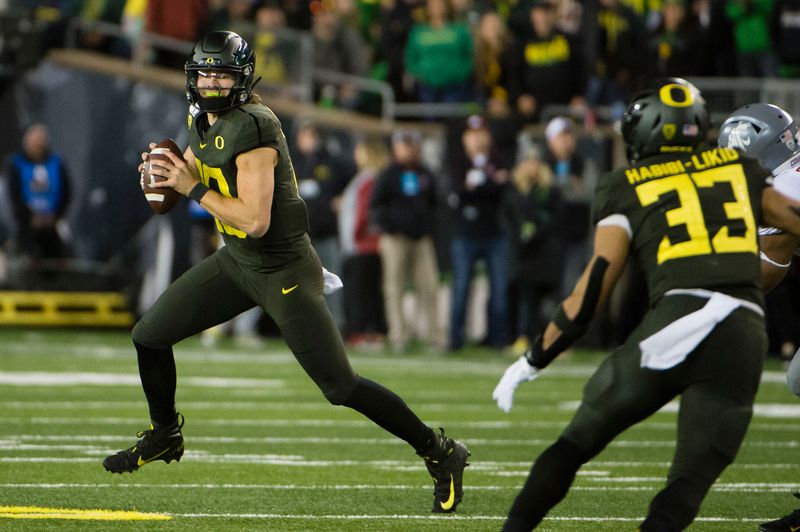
(159,443)
(446,466)
(787,523)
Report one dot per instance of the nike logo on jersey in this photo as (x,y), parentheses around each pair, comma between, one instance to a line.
(446,505)
(203,146)
(285,291)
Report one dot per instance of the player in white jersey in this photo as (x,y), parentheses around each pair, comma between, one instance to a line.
(770,134)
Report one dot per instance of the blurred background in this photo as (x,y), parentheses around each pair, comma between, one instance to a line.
(508,104)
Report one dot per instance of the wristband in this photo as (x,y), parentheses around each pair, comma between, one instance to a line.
(198,191)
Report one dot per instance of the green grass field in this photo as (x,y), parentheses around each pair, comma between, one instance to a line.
(265,451)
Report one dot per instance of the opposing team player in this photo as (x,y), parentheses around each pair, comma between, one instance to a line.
(239,169)
(770,134)
(689,216)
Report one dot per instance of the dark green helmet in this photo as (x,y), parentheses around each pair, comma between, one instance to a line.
(221,51)
(668,116)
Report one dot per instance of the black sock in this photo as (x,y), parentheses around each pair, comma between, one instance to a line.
(548,483)
(157,371)
(388,411)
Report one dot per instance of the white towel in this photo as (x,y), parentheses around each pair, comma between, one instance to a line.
(331,282)
(671,345)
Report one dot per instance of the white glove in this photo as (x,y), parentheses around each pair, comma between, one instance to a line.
(517,373)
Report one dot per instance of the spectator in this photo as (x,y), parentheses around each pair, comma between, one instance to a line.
(272,51)
(109,11)
(531,209)
(478,185)
(750,20)
(133,21)
(298,14)
(548,67)
(439,54)
(575,177)
(339,47)
(618,52)
(180,19)
(363,298)
(39,189)
(785,32)
(403,205)
(321,178)
(569,16)
(719,29)
(672,49)
(395,25)
(235,16)
(492,41)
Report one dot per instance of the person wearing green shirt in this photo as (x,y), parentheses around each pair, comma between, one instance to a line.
(439,55)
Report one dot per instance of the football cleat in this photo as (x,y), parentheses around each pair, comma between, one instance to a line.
(159,443)
(787,523)
(446,467)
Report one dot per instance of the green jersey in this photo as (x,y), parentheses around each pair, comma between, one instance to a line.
(693,219)
(215,149)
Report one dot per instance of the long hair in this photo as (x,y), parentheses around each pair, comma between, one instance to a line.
(531,171)
(376,153)
(255,98)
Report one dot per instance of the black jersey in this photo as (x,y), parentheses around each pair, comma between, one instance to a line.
(693,217)
(216,147)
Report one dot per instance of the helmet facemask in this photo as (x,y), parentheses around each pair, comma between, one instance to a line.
(220,52)
(238,95)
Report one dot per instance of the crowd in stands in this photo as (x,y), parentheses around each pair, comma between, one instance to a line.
(514,56)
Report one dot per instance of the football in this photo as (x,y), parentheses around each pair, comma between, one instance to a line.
(161,200)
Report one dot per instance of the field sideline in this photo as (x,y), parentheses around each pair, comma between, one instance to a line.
(265,451)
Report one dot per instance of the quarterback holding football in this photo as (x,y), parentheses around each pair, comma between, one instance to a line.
(238,167)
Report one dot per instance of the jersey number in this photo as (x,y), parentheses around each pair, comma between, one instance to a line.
(690,214)
(208,173)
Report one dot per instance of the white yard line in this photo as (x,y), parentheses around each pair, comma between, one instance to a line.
(745,487)
(82,378)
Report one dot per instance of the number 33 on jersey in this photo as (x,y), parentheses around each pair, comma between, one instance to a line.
(688,209)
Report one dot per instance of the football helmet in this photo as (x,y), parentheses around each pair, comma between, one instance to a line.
(668,116)
(763,131)
(221,51)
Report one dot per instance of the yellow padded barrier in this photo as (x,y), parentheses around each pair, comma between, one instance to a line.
(89,309)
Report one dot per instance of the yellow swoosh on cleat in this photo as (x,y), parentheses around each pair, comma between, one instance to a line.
(141,462)
(448,504)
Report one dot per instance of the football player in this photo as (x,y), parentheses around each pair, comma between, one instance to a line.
(770,134)
(238,167)
(688,215)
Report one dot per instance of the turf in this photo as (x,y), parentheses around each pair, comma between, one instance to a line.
(265,451)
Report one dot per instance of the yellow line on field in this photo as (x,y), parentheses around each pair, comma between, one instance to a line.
(36,512)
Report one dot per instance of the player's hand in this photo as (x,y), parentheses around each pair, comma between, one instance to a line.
(179,175)
(145,155)
(517,373)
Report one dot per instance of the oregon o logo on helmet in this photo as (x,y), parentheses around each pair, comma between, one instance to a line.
(209,60)
(666,94)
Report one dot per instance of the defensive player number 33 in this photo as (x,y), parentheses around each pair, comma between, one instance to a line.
(690,214)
